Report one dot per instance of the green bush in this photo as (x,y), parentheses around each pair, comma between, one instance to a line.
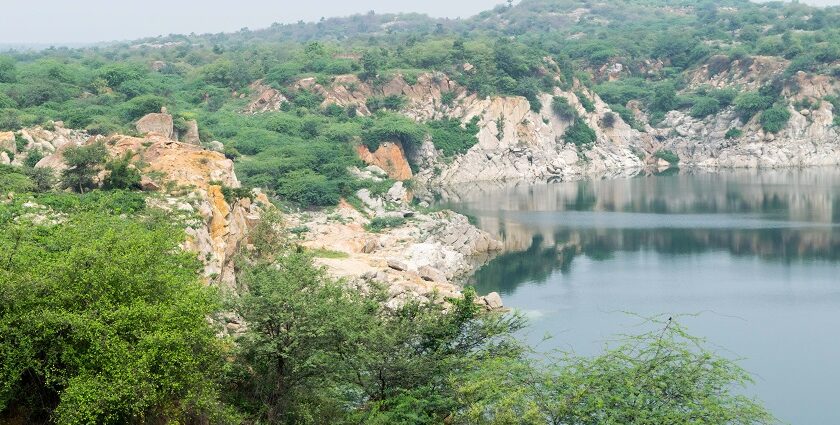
(580,134)
(733,133)
(308,188)
(704,106)
(122,174)
(378,224)
(105,322)
(452,139)
(562,109)
(13,179)
(750,103)
(391,103)
(775,119)
(396,128)
(585,101)
(668,156)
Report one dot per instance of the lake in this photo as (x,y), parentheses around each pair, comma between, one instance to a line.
(749,260)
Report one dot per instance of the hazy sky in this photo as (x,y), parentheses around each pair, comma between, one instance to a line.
(82,21)
(75,21)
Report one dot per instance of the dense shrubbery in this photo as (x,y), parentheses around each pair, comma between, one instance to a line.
(580,134)
(562,109)
(451,138)
(775,119)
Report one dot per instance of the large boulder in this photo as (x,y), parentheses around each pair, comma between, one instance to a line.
(160,124)
(7,142)
(191,137)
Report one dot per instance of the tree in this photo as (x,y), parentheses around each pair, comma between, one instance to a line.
(750,103)
(103,320)
(775,119)
(664,376)
(122,174)
(83,163)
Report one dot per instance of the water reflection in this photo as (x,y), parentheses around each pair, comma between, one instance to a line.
(782,216)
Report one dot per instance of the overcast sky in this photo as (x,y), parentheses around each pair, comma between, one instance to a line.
(84,21)
(80,21)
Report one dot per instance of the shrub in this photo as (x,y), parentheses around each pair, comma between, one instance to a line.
(122,174)
(12,179)
(307,188)
(668,155)
(378,224)
(585,101)
(704,106)
(116,330)
(83,163)
(562,109)
(608,120)
(580,134)
(733,133)
(775,119)
(392,102)
(391,127)
(452,139)
(750,103)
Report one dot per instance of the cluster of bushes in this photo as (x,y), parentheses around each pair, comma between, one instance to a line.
(127,339)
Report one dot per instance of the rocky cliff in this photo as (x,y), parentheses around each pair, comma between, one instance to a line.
(516,143)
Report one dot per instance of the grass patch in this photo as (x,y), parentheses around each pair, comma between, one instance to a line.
(379,224)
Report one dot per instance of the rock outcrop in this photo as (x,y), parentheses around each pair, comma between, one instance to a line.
(264,98)
(161,124)
(191,135)
(390,157)
(428,253)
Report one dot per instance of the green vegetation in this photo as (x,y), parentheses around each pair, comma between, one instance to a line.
(585,101)
(121,339)
(83,163)
(580,134)
(733,133)
(775,119)
(562,109)
(451,138)
(378,224)
(668,156)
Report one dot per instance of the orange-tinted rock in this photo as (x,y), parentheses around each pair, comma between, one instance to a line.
(390,157)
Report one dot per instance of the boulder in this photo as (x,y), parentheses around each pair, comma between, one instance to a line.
(397,265)
(191,137)
(431,274)
(4,158)
(157,123)
(397,193)
(216,146)
(493,301)
(7,142)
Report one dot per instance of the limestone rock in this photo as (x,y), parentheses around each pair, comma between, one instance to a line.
(397,265)
(493,301)
(157,123)
(7,141)
(4,158)
(191,137)
(431,274)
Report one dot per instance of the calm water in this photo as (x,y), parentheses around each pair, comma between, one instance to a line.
(756,254)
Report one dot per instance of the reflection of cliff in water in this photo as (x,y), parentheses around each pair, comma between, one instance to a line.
(780,216)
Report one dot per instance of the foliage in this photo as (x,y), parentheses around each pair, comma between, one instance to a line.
(733,133)
(122,174)
(585,101)
(14,180)
(580,134)
(775,119)
(668,156)
(451,138)
(750,103)
(103,321)
(378,224)
(83,163)
(392,102)
(704,106)
(396,128)
(562,109)
(664,376)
